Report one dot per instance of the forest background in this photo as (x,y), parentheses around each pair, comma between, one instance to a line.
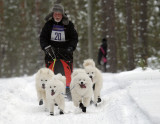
(132,28)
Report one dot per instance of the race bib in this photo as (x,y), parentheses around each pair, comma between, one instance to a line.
(58,33)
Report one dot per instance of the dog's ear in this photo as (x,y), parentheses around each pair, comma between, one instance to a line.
(40,71)
(50,72)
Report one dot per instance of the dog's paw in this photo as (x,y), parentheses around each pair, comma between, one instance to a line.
(61,112)
(81,105)
(84,109)
(99,100)
(41,102)
(51,113)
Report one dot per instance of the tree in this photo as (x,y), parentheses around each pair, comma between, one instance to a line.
(112,49)
(90,29)
(129,35)
(143,30)
(1,34)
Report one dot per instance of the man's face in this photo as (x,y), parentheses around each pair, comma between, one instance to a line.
(57,16)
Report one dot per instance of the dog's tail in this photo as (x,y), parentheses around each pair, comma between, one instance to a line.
(88,62)
(77,71)
(61,78)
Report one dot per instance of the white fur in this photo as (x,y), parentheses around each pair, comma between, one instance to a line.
(61,78)
(77,71)
(96,76)
(81,95)
(42,77)
(57,85)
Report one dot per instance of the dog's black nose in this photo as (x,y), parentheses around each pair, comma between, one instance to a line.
(81,82)
(90,76)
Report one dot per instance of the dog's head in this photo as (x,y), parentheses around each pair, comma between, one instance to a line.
(82,80)
(43,75)
(91,72)
(55,87)
(51,88)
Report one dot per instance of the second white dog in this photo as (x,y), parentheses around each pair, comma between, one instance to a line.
(96,78)
(55,90)
(81,89)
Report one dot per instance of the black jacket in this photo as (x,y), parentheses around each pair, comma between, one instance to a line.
(100,53)
(71,40)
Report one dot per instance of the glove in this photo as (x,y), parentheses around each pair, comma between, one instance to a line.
(49,50)
(69,50)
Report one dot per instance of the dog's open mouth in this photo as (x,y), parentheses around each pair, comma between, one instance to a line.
(52,92)
(43,86)
(91,78)
(82,85)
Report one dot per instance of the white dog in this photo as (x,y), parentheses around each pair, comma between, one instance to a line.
(81,89)
(42,77)
(55,90)
(96,77)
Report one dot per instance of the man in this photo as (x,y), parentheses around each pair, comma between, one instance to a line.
(102,53)
(58,39)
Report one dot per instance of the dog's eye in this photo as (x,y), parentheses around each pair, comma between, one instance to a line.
(45,80)
(50,87)
(54,86)
(92,72)
(87,73)
(79,79)
(41,80)
(83,79)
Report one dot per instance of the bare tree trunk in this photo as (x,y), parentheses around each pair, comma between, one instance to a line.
(104,16)
(143,30)
(129,35)
(22,52)
(40,54)
(112,49)
(1,33)
(90,29)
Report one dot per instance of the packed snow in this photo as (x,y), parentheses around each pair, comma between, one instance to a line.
(131,97)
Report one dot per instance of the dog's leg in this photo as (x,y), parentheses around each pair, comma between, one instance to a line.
(45,101)
(61,112)
(95,97)
(82,107)
(61,104)
(39,95)
(76,102)
(86,101)
(51,108)
(41,102)
(99,99)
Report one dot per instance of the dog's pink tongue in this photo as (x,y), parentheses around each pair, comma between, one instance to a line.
(83,86)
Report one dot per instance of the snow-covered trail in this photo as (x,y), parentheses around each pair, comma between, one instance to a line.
(128,98)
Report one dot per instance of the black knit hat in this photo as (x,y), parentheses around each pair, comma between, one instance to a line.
(58,8)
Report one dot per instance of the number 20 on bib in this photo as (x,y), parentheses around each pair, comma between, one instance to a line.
(58,33)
